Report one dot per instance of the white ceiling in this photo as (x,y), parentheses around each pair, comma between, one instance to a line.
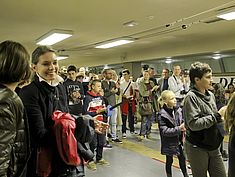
(95,21)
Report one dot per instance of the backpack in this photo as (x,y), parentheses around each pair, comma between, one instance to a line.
(84,134)
(84,131)
(64,129)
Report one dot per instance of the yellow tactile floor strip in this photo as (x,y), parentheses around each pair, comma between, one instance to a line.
(145,151)
(151,153)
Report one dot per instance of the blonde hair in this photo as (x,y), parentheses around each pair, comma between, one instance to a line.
(230,113)
(162,99)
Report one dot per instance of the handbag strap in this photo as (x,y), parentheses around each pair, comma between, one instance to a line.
(127,87)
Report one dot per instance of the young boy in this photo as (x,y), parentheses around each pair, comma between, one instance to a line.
(94,105)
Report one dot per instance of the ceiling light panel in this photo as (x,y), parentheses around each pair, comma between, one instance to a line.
(113,43)
(53,37)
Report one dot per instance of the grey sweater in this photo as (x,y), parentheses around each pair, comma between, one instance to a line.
(201,117)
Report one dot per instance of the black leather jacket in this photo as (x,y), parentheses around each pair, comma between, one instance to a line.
(14,140)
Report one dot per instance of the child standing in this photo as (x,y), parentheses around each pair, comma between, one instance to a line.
(94,105)
(171,128)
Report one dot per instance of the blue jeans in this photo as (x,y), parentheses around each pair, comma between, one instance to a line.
(145,125)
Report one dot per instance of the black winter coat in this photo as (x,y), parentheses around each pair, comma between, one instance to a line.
(40,100)
(171,135)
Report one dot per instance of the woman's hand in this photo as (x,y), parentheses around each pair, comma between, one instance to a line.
(222,111)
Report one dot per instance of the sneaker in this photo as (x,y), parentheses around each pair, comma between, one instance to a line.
(91,166)
(124,135)
(102,162)
(117,140)
(109,146)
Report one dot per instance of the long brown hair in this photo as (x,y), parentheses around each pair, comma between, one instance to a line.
(230,113)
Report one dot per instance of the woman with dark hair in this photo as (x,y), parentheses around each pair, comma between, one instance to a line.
(41,98)
(231,88)
(220,102)
(14,139)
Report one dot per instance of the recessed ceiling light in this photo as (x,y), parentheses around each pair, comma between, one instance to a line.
(130,23)
(150,17)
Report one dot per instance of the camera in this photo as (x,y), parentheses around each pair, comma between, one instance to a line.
(184,26)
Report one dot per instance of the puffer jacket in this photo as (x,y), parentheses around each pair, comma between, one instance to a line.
(171,135)
(14,140)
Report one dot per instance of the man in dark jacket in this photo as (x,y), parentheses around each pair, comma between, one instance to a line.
(74,91)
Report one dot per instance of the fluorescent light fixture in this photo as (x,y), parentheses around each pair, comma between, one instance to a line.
(113,43)
(106,66)
(216,56)
(62,57)
(168,60)
(54,36)
(228,15)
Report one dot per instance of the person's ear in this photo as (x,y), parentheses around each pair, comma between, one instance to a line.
(33,66)
(197,79)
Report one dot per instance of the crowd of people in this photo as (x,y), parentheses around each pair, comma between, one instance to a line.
(192,113)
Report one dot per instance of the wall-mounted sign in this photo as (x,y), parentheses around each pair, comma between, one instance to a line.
(224,80)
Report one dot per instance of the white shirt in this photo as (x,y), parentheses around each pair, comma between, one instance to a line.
(123,86)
